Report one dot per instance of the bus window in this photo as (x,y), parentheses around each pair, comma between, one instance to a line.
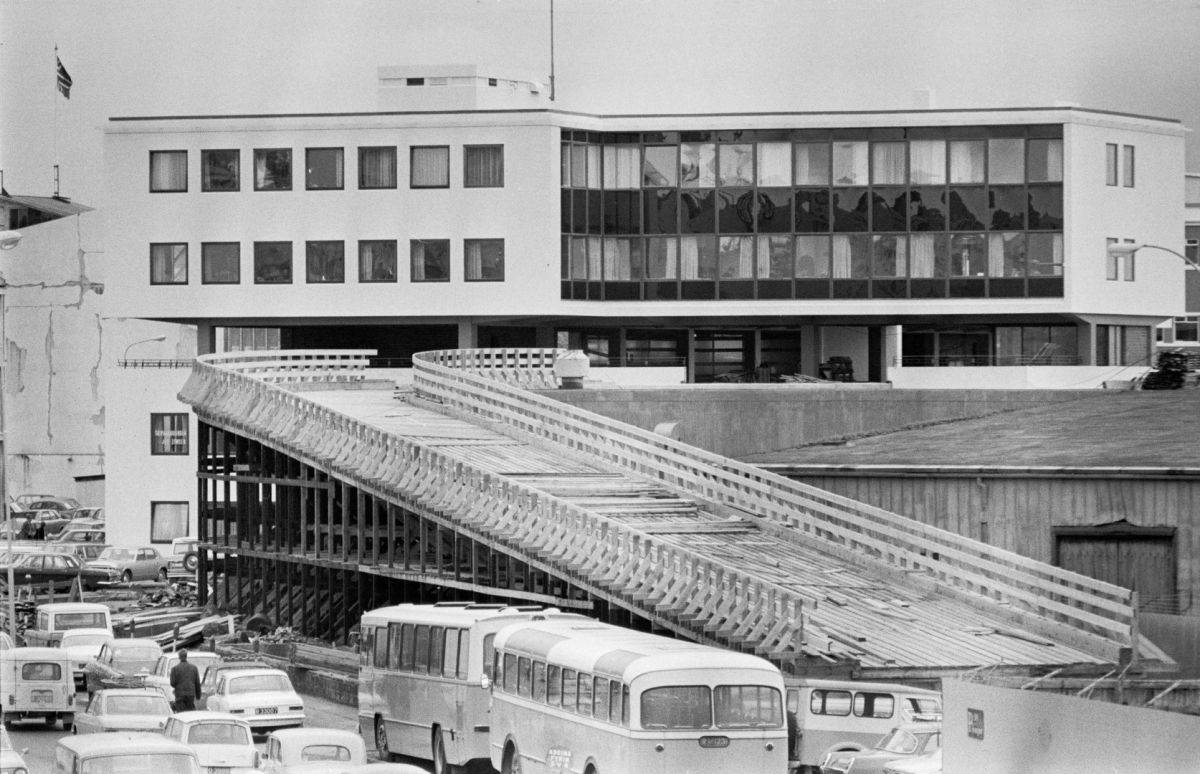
(464,649)
(450,653)
(510,673)
(829,702)
(393,648)
(678,706)
(523,681)
(488,650)
(437,641)
(421,650)
(408,635)
(625,705)
(874,705)
(600,699)
(614,703)
(366,647)
(747,706)
(793,700)
(568,689)
(539,681)
(553,685)
(585,694)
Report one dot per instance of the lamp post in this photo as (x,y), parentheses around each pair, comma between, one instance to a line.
(125,357)
(8,240)
(1133,247)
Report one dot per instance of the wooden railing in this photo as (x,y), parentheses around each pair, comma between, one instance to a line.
(297,365)
(851,529)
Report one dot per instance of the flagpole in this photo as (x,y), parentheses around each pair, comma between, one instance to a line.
(55,127)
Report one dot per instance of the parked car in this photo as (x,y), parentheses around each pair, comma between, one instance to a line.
(81,534)
(90,513)
(214,672)
(58,570)
(122,663)
(124,709)
(160,676)
(265,697)
(130,564)
(324,750)
(222,742)
(906,741)
(84,552)
(135,752)
(21,502)
(930,763)
(184,558)
(83,646)
(11,761)
(50,513)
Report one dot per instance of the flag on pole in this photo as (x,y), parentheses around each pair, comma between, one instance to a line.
(64,79)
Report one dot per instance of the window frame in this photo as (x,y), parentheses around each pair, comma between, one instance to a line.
(467,243)
(341,183)
(467,166)
(395,262)
(154,153)
(412,151)
(187,519)
(413,244)
(308,267)
(204,274)
(237,176)
(184,245)
(1128,160)
(291,168)
(1112,163)
(291,272)
(395,168)
(156,416)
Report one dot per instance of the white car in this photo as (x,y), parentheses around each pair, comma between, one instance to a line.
(323,751)
(160,676)
(124,709)
(223,743)
(82,646)
(930,763)
(11,761)
(265,698)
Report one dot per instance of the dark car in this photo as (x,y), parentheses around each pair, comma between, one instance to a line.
(57,570)
(47,516)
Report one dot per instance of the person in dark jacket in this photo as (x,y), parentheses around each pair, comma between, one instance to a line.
(185,681)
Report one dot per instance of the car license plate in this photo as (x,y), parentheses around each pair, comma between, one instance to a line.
(41,697)
(266,711)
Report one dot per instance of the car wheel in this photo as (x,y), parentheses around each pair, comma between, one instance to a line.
(512,761)
(162,575)
(126,576)
(191,561)
(439,753)
(381,743)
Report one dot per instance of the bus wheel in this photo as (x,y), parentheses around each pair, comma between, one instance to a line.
(512,761)
(439,753)
(381,745)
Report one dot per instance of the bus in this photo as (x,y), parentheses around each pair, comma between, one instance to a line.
(571,694)
(424,678)
(826,715)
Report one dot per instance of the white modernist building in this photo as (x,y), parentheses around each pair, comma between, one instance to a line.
(932,248)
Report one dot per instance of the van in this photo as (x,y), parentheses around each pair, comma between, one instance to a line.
(38,683)
(827,716)
(56,617)
(128,752)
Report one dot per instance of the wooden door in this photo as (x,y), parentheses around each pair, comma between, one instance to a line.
(1143,562)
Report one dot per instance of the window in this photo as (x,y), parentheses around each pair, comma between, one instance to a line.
(1113,262)
(273,169)
(272,263)
(485,260)
(829,702)
(220,170)
(326,261)
(1130,262)
(168,171)
(377,260)
(168,520)
(1045,161)
(1127,161)
(168,264)
(169,433)
(323,169)
(874,705)
(483,166)
(430,167)
(377,167)
(249,339)
(1110,164)
(430,260)
(220,263)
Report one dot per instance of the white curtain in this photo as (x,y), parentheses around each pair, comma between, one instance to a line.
(995,255)
(593,166)
(431,167)
(921,255)
(579,258)
(736,258)
(579,166)
(928,162)
(841,255)
(850,163)
(594,256)
(689,258)
(1054,161)
(966,161)
(377,167)
(168,171)
(888,165)
(774,164)
(622,167)
(484,166)
(811,163)
(617,261)
(661,258)
(890,257)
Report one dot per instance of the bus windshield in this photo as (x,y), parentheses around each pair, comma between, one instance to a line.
(696,706)
(747,706)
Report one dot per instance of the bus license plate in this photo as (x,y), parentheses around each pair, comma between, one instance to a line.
(41,697)
(709,742)
(266,711)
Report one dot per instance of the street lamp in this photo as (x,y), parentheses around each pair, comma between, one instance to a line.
(1132,247)
(8,240)
(125,356)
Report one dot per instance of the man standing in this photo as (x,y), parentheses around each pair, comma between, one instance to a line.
(185,681)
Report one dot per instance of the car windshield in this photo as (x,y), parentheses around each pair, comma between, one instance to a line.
(137,705)
(906,743)
(219,733)
(117,554)
(182,548)
(136,659)
(257,683)
(141,763)
(70,640)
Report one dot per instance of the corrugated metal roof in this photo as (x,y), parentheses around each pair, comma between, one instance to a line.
(50,205)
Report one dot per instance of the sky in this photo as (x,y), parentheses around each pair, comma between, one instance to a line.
(183,57)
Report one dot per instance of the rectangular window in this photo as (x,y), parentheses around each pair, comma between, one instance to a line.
(380,655)
(272,263)
(169,433)
(553,685)
(273,169)
(524,681)
(429,166)
(324,169)
(220,263)
(569,689)
(736,167)
(408,634)
(600,699)
(539,681)
(1045,161)
(823,702)
(450,653)
(430,260)
(483,166)
(377,167)
(927,164)
(850,163)
(1130,264)
(509,678)
(168,264)
(421,650)
(660,167)
(168,171)
(1006,161)
(967,161)
(811,163)
(1113,262)
(1127,163)
(1110,163)
(220,170)
(585,694)
(484,260)
(168,520)
(377,260)
(394,642)
(774,161)
(325,261)
(888,163)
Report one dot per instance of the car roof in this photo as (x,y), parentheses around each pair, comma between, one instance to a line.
(201,716)
(37,653)
(262,671)
(138,641)
(228,665)
(120,742)
(319,734)
(72,607)
(93,630)
(130,692)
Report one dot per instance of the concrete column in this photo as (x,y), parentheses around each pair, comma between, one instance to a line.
(468,334)
(206,338)
(810,349)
